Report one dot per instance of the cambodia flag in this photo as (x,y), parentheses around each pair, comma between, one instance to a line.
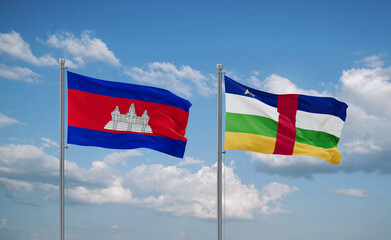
(125,116)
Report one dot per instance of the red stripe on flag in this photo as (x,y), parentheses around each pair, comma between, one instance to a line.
(93,111)
(286,130)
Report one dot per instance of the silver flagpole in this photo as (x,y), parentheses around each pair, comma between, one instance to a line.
(219,153)
(62,62)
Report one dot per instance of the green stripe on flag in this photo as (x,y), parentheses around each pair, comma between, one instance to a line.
(264,126)
(250,124)
(316,138)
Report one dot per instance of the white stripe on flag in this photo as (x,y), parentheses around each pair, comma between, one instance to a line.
(319,122)
(246,105)
(305,120)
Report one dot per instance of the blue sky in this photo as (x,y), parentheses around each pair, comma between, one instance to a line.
(325,48)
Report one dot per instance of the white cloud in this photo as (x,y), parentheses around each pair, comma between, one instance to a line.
(368,88)
(49,143)
(23,160)
(169,189)
(28,167)
(350,192)
(177,190)
(362,130)
(16,184)
(6,121)
(36,236)
(367,93)
(27,186)
(180,192)
(190,161)
(18,74)
(13,44)
(373,61)
(181,80)
(280,85)
(15,139)
(181,236)
(361,146)
(115,193)
(271,196)
(293,166)
(85,49)
(99,174)
(120,157)
(3,223)
(281,160)
(255,82)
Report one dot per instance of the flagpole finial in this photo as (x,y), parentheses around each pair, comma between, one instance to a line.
(62,61)
(219,67)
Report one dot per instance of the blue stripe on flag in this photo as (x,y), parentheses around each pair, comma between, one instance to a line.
(126,90)
(322,105)
(234,87)
(88,137)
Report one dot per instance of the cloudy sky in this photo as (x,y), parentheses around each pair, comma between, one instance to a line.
(323,48)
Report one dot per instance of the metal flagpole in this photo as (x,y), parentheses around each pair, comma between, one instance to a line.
(219,153)
(62,62)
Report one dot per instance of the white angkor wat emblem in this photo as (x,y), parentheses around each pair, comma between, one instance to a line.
(129,122)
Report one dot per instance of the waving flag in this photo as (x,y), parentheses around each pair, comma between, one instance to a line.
(287,124)
(125,116)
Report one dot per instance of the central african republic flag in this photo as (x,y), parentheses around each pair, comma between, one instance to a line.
(287,124)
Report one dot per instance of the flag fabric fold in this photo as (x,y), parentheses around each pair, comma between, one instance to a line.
(125,116)
(286,124)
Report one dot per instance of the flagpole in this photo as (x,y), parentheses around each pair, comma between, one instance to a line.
(219,152)
(62,62)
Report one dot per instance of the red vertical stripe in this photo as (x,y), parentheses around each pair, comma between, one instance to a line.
(286,130)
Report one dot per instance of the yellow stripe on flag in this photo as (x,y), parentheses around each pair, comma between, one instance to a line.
(249,142)
(331,155)
(262,144)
